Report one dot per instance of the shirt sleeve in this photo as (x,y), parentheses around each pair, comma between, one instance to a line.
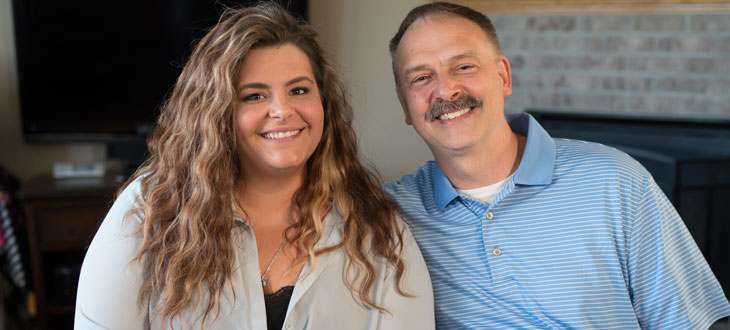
(416,311)
(109,282)
(671,284)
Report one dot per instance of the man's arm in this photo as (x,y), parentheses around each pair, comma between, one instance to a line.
(672,286)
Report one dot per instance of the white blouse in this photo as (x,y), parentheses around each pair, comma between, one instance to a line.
(109,284)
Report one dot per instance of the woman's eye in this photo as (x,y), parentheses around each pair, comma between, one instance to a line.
(253,97)
(299,91)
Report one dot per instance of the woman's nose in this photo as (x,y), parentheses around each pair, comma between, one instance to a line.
(280,108)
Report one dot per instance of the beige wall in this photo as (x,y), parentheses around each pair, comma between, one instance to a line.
(356,32)
(20,158)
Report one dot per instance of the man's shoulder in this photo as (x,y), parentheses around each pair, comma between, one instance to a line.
(571,153)
(411,184)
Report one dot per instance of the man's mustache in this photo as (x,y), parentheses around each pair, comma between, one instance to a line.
(438,107)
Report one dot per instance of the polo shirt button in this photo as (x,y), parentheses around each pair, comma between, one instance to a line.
(497,252)
(489,216)
(288,326)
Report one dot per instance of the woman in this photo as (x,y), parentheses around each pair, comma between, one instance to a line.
(253,209)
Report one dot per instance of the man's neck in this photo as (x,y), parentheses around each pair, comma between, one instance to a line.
(484,166)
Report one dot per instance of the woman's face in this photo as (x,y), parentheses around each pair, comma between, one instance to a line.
(279,116)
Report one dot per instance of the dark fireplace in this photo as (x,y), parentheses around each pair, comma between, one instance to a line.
(690,161)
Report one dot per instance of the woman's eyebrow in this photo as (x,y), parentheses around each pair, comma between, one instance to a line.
(299,79)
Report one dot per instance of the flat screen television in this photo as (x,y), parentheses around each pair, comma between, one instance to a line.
(97,71)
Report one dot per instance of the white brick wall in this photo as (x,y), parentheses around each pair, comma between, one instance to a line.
(668,65)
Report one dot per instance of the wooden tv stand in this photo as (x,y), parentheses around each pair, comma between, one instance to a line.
(62,217)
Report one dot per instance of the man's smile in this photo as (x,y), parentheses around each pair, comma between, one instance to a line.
(446,110)
(453,114)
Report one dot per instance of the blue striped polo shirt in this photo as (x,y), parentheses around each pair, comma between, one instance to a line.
(580,238)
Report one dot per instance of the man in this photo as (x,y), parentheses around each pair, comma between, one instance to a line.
(522,231)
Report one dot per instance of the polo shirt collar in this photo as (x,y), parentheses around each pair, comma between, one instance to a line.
(538,161)
(443,191)
(536,166)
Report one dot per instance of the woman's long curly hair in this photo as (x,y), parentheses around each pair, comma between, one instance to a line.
(188,182)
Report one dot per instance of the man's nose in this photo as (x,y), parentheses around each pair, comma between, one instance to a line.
(449,89)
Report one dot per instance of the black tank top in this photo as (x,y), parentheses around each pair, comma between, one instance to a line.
(276,304)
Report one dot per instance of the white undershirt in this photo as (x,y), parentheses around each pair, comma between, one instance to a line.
(486,194)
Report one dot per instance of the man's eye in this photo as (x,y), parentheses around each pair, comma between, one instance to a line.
(299,91)
(465,67)
(253,97)
(419,79)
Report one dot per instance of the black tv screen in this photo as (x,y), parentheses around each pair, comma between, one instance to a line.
(95,70)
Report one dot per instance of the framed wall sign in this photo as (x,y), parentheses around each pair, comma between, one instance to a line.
(599,6)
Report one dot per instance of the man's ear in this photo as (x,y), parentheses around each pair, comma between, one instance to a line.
(506,75)
(403,106)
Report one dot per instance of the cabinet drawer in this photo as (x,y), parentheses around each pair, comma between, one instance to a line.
(68,226)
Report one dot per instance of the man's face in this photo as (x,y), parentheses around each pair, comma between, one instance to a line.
(451,83)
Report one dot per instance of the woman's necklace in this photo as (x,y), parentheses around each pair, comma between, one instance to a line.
(264,279)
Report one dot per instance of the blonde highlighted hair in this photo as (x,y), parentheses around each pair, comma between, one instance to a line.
(188,181)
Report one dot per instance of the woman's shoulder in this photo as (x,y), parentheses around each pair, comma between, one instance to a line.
(133,188)
(335,220)
(130,198)
(108,273)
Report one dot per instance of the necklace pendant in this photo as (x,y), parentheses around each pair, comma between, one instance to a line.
(264,279)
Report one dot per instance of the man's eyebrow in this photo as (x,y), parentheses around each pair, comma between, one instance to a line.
(415,68)
(453,58)
(463,55)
